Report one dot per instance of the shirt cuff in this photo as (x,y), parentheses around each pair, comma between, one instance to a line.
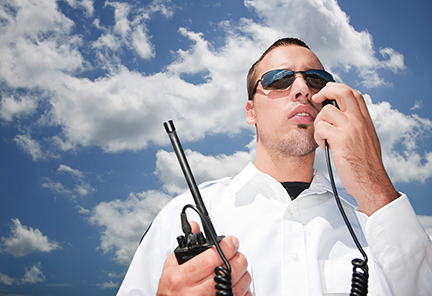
(394,234)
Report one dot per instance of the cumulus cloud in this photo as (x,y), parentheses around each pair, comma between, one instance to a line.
(29,58)
(118,111)
(32,275)
(394,129)
(123,109)
(330,35)
(24,240)
(81,186)
(204,167)
(124,222)
(417,105)
(109,285)
(86,5)
(30,146)
(34,148)
(129,30)
(426,221)
(6,280)
(11,107)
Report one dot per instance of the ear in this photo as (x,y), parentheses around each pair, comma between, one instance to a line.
(250,112)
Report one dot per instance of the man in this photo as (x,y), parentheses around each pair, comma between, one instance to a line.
(293,241)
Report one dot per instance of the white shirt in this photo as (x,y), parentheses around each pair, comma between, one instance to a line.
(299,247)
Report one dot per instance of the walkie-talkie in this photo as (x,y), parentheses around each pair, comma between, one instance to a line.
(190,244)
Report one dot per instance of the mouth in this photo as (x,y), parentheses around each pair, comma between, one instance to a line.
(302,114)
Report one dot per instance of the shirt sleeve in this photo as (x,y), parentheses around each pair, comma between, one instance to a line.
(142,277)
(401,247)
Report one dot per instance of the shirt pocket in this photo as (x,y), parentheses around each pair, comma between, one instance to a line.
(336,276)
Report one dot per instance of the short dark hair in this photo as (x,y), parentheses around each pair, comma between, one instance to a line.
(251,77)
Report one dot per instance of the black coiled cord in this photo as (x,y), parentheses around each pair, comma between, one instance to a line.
(222,275)
(359,282)
(223,282)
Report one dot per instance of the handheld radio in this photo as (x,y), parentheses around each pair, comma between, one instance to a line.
(191,244)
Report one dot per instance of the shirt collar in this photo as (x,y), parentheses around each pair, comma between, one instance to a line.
(252,177)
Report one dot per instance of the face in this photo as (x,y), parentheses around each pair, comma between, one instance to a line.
(284,119)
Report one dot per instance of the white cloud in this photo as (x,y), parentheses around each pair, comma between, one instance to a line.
(11,107)
(121,12)
(33,275)
(82,187)
(395,128)
(6,280)
(56,187)
(426,221)
(74,173)
(124,222)
(109,285)
(25,240)
(30,146)
(29,58)
(129,30)
(162,6)
(124,110)
(141,44)
(204,168)
(87,5)
(326,29)
(417,105)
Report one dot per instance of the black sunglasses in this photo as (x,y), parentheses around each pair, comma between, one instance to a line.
(281,79)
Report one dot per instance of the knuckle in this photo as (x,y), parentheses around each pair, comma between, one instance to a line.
(228,248)
(169,285)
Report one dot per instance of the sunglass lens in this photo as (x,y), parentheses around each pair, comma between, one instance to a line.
(318,79)
(277,79)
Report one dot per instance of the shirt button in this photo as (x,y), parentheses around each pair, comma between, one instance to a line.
(291,212)
(295,257)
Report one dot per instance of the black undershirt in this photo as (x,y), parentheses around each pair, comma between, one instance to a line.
(295,188)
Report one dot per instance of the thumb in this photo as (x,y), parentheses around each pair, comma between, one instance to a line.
(195,226)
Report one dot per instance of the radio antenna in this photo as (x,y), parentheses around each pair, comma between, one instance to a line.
(170,129)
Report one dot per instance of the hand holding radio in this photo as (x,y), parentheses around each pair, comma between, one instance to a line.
(355,146)
(195,277)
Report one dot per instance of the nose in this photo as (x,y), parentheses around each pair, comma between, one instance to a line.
(300,88)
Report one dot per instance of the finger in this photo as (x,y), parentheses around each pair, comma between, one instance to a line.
(239,266)
(204,264)
(195,226)
(348,99)
(324,131)
(242,287)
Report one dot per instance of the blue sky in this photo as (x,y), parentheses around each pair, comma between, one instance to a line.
(85,87)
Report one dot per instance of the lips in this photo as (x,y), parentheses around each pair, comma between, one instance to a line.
(302,114)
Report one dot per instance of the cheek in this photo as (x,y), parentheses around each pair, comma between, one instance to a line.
(266,114)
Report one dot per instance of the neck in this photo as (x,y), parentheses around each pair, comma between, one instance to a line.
(285,168)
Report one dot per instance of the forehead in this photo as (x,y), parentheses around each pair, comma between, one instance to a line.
(292,57)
